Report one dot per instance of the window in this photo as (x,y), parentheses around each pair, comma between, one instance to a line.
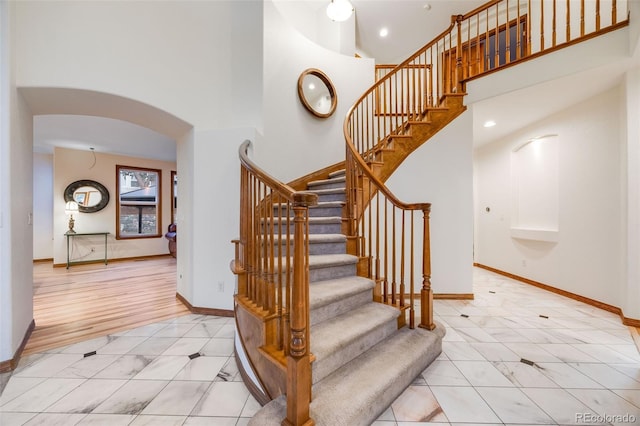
(138,207)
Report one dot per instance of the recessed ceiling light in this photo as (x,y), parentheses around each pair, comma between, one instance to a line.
(489,123)
(427,6)
(384,32)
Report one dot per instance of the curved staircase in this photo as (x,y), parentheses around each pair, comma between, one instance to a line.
(355,341)
(332,267)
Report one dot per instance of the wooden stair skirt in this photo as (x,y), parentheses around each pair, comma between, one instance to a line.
(361,361)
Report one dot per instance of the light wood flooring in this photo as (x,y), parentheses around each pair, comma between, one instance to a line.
(92,300)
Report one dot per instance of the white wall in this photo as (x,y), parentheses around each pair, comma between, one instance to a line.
(440,173)
(586,259)
(192,63)
(290,131)
(309,18)
(16,173)
(176,56)
(43,206)
(631,165)
(71,165)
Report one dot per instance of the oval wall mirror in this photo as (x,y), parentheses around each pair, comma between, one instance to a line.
(317,93)
(90,195)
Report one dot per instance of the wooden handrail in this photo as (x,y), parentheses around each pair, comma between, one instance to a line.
(273,273)
(388,235)
(497,34)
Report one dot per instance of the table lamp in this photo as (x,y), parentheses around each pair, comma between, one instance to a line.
(70,208)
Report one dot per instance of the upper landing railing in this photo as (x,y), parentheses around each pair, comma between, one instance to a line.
(491,37)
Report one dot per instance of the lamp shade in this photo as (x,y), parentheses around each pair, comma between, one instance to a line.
(339,10)
(71,207)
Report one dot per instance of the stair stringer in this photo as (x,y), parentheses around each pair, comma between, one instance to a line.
(415,134)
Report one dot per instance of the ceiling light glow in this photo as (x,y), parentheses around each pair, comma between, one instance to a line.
(384,32)
(339,10)
(489,123)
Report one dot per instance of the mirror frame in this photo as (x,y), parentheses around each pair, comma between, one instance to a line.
(327,82)
(73,187)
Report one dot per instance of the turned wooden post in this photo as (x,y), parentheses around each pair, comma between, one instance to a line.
(298,361)
(459,74)
(426,294)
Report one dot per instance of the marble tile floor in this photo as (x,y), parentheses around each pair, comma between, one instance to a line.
(516,355)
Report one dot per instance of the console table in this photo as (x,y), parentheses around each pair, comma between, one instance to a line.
(85,234)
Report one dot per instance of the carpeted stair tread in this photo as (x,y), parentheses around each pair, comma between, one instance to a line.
(316,219)
(337,332)
(360,391)
(320,204)
(333,297)
(325,204)
(323,293)
(327,191)
(313,238)
(327,260)
(325,219)
(326,181)
(337,173)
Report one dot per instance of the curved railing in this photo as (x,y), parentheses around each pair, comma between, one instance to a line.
(391,238)
(493,36)
(271,262)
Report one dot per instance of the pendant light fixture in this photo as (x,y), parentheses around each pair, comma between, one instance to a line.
(339,10)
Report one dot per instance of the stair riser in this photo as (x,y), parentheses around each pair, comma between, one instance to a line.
(314,248)
(314,228)
(317,211)
(338,308)
(331,272)
(327,185)
(322,368)
(332,197)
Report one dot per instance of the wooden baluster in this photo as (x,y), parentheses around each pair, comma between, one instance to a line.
(459,76)
(541,26)
(507,36)
(581,18)
(412,313)
(386,251)
(434,75)
(370,234)
(518,34)
(497,37)
(271,289)
(614,12)
(426,294)
(283,244)
(402,260)
(254,235)
(553,25)
(467,66)
(377,293)
(298,361)
(264,259)
(479,67)
(288,283)
(597,15)
(529,23)
(487,58)
(393,254)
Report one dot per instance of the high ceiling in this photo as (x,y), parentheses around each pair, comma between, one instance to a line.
(410,23)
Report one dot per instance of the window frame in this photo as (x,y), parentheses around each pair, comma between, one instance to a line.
(157,204)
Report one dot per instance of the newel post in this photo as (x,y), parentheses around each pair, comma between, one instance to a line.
(426,294)
(298,361)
